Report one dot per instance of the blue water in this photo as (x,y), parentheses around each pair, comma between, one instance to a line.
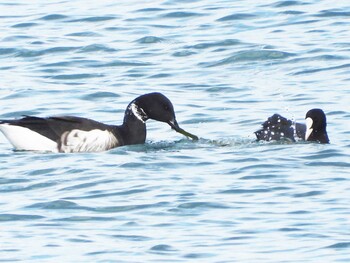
(226,66)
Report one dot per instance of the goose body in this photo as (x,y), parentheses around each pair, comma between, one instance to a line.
(277,128)
(76,134)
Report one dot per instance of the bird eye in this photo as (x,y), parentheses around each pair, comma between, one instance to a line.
(166,107)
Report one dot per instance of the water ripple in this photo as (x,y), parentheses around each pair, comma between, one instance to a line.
(286,3)
(223,43)
(162,248)
(59,204)
(135,238)
(256,190)
(150,40)
(24,25)
(202,205)
(333,13)
(308,194)
(96,48)
(181,14)
(317,70)
(75,76)
(53,17)
(250,56)
(21,188)
(340,245)
(16,217)
(85,219)
(234,17)
(127,208)
(100,95)
(119,193)
(93,19)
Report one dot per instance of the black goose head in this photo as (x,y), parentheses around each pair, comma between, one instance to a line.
(316,124)
(157,107)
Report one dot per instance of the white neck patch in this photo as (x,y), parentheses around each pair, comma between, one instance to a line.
(138,112)
(309,130)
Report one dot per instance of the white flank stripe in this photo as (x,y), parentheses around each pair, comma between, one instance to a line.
(24,139)
(87,141)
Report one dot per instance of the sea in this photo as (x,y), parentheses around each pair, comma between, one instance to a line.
(226,66)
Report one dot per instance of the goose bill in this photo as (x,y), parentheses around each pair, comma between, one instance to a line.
(173,124)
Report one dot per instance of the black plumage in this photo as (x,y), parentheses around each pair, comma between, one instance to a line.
(75,134)
(277,128)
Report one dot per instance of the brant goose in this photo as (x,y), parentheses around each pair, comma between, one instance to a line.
(277,128)
(74,134)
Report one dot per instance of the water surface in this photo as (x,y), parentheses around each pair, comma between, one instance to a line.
(226,67)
